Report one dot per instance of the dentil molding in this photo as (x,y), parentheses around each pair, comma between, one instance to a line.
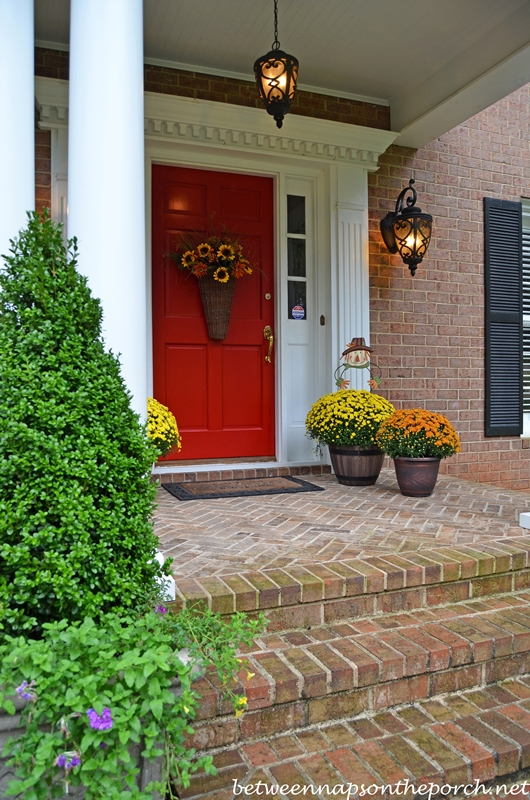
(222,125)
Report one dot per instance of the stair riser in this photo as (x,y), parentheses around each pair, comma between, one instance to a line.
(327,606)
(289,716)
(328,611)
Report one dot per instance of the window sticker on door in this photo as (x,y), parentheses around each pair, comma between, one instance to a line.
(298,312)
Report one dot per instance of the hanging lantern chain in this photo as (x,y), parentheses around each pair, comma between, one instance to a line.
(276,43)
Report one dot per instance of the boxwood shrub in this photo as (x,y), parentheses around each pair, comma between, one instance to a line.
(76,501)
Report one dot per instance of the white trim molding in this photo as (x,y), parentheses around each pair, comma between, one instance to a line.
(235,127)
(250,129)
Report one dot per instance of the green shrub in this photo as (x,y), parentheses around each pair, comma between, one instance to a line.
(76,500)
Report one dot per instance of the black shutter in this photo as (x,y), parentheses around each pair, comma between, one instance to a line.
(503,318)
(526,313)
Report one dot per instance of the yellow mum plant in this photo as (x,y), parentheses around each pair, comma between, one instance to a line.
(416,433)
(350,416)
(162,427)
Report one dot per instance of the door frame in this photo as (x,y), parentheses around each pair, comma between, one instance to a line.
(337,157)
(179,156)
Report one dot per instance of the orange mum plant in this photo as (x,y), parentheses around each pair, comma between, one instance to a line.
(416,433)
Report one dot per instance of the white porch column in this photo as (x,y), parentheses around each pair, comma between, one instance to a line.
(106,194)
(17,131)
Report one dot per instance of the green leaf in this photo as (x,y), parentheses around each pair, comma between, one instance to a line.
(157,708)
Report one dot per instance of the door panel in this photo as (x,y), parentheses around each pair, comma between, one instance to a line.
(222,393)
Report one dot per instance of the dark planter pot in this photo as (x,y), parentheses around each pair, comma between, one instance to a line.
(417,476)
(356,466)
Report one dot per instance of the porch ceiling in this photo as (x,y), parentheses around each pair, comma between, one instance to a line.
(434,62)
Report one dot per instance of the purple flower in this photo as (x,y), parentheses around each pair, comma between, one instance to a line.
(100,723)
(160,610)
(103,745)
(68,760)
(25,691)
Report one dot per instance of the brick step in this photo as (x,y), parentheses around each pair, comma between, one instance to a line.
(480,735)
(226,472)
(310,676)
(327,592)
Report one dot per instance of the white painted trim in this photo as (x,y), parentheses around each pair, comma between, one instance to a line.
(226,73)
(232,127)
(159,469)
(237,128)
(64,48)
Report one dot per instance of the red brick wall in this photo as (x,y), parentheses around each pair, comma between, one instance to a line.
(244,93)
(428,331)
(54,64)
(43,165)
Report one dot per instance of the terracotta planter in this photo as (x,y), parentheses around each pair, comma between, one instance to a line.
(356,466)
(216,300)
(417,476)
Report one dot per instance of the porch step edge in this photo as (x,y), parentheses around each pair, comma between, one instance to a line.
(406,580)
(227,472)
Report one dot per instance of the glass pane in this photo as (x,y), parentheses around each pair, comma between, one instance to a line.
(295,214)
(296,258)
(297,299)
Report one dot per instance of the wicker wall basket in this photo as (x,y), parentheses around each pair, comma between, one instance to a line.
(217,304)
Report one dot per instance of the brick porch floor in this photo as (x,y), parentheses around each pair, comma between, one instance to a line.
(399,632)
(229,535)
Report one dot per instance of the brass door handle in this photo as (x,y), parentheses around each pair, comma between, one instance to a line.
(267,334)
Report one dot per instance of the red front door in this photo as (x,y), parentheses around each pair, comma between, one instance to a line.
(221,392)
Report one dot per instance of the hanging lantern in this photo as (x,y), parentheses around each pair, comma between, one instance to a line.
(407,231)
(276,74)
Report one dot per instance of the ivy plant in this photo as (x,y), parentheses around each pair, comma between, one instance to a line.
(94,694)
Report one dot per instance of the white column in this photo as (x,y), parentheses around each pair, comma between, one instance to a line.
(106,194)
(17,105)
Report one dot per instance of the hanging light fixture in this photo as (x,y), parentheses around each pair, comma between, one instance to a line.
(407,230)
(276,74)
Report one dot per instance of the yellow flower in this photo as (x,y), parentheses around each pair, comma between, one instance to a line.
(204,250)
(162,427)
(227,252)
(188,259)
(221,274)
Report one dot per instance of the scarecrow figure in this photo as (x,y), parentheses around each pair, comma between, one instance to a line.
(357,356)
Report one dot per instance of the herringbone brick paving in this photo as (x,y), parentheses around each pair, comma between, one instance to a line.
(230,535)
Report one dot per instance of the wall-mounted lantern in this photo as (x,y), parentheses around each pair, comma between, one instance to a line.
(276,74)
(407,231)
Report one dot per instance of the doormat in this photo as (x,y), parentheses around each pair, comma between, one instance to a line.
(244,487)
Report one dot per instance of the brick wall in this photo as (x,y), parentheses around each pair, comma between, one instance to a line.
(43,166)
(244,93)
(54,64)
(428,331)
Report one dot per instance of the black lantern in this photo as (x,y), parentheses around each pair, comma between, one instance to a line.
(407,230)
(276,74)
